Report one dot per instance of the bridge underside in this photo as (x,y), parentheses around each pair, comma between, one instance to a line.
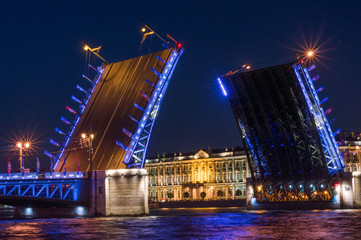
(38,202)
(292,153)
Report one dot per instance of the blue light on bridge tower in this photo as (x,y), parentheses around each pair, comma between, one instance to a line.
(222,87)
(333,157)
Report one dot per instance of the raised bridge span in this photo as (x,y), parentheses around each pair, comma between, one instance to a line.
(102,174)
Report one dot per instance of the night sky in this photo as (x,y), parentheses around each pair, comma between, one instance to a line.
(42,60)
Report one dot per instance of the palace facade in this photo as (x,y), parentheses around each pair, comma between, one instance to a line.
(350,148)
(204,175)
(220,173)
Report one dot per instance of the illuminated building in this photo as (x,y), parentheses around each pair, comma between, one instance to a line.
(208,175)
(350,148)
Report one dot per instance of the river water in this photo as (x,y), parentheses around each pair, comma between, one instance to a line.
(214,223)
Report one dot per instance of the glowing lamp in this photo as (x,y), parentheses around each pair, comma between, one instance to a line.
(179,45)
(310,53)
(91,136)
(83,135)
(143,29)
(86,48)
(19,145)
(27,145)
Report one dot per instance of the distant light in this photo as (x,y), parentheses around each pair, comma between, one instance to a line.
(80,211)
(179,45)
(19,145)
(143,29)
(222,87)
(91,136)
(248,67)
(310,53)
(28,211)
(83,135)
(302,61)
(86,48)
(27,145)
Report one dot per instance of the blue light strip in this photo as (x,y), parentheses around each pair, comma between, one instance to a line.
(222,87)
(77,119)
(76,100)
(331,151)
(54,143)
(65,121)
(157,97)
(82,89)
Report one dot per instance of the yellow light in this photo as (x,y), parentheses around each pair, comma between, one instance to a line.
(143,29)
(310,53)
(326,192)
(83,135)
(92,136)
(86,48)
(259,188)
(248,67)
(27,145)
(357,147)
(19,144)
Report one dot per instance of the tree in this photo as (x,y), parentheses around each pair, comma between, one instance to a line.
(203,195)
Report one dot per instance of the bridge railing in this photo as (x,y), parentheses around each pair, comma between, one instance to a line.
(47,175)
(70,187)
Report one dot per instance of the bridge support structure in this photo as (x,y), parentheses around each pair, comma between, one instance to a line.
(119,192)
(341,192)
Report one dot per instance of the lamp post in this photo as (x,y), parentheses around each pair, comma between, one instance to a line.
(21,146)
(88,138)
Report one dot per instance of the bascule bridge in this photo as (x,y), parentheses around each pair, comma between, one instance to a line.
(292,152)
(101,144)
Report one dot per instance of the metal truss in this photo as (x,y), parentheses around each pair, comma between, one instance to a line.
(332,154)
(137,149)
(294,192)
(54,189)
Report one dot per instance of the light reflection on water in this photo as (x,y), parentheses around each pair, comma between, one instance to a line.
(229,223)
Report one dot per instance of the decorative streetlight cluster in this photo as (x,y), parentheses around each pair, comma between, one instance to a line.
(21,146)
(87,141)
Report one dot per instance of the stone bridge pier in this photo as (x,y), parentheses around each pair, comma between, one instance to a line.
(119,192)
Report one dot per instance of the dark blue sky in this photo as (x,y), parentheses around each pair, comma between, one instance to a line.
(42,60)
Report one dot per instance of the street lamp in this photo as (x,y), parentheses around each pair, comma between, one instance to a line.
(95,51)
(88,138)
(21,146)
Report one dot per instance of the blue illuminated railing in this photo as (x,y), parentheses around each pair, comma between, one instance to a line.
(58,186)
(48,175)
(136,151)
(329,145)
(72,125)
